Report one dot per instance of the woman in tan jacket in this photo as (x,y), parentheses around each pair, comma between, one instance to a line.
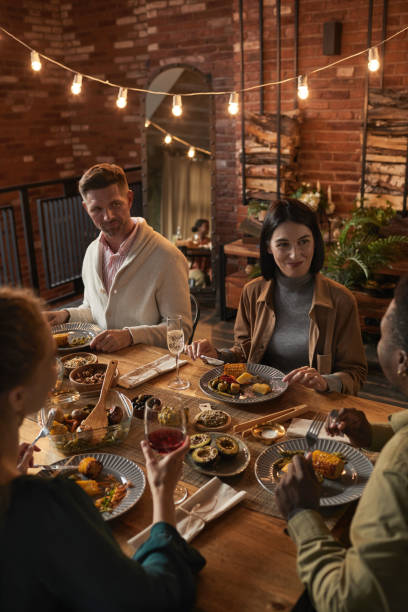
(292,315)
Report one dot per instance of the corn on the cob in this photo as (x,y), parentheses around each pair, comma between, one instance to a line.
(327,464)
(234,369)
(90,467)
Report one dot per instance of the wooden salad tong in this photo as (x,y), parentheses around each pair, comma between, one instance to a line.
(97,420)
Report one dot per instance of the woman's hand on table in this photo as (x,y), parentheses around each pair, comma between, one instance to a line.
(25,456)
(354,424)
(201,347)
(163,473)
(112,340)
(307,376)
(298,489)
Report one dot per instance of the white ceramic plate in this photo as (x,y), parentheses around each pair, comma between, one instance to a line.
(229,466)
(124,470)
(263,371)
(78,328)
(349,486)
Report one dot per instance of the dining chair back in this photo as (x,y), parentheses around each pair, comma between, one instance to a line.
(195,313)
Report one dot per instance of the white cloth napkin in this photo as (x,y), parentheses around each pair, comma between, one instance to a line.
(299,427)
(206,504)
(136,377)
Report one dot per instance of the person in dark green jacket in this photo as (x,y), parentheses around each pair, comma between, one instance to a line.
(57,553)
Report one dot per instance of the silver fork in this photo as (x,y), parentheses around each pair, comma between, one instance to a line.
(313,432)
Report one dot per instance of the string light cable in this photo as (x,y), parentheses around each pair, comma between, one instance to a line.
(197,93)
(180,140)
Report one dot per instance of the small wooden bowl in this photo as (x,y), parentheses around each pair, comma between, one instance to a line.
(202,427)
(90,358)
(93,367)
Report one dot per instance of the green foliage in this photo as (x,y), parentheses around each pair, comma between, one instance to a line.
(256,271)
(361,250)
(255,206)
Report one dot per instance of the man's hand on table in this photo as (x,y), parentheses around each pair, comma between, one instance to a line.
(56,317)
(354,424)
(298,488)
(112,340)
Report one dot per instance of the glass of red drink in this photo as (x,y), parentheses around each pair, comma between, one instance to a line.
(166,429)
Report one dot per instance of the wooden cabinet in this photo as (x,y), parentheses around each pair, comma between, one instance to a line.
(231,284)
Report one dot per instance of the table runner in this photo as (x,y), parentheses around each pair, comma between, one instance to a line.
(257,498)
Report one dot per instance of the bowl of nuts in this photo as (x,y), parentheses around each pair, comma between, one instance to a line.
(90,377)
(75,360)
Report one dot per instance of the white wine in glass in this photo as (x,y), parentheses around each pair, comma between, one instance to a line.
(175,343)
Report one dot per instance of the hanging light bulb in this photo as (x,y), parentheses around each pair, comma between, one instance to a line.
(303,87)
(373,59)
(168,139)
(177,108)
(35,61)
(76,84)
(147,123)
(191,152)
(121,100)
(233,104)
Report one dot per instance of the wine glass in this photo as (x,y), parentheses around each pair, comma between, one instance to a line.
(165,430)
(62,392)
(175,343)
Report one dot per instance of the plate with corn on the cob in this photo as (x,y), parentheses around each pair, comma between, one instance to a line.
(342,469)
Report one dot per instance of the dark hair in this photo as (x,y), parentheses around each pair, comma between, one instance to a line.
(400,315)
(198,223)
(101,176)
(297,212)
(23,332)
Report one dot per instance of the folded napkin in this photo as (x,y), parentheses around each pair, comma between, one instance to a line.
(136,377)
(206,504)
(299,427)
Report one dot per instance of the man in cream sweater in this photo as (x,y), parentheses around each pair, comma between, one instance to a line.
(133,277)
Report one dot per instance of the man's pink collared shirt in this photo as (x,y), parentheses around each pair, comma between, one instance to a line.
(111,262)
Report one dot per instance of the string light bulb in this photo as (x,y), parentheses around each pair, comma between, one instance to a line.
(177,108)
(191,152)
(233,104)
(147,123)
(35,61)
(121,100)
(168,139)
(303,87)
(76,84)
(373,59)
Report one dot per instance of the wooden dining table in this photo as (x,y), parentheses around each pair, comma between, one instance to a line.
(251,561)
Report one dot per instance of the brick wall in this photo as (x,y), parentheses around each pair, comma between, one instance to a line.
(332,115)
(46,132)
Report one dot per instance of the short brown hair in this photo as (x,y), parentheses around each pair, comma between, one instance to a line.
(101,176)
(23,333)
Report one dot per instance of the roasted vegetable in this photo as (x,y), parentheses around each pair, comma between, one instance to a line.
(91,487)
(90,467)
(227,446)
(261,388)
(205,455)
(327,464)
(199,440)
(115,415)
(234,369)
(245,378)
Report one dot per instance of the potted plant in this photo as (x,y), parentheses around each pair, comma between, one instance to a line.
(361,249)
